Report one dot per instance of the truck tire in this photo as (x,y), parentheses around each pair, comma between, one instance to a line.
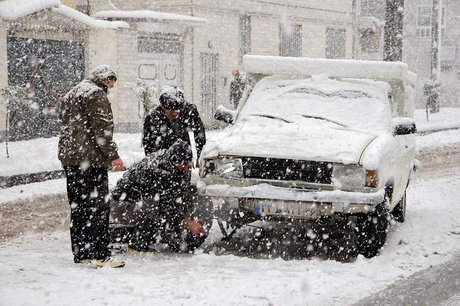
(399,211)
(372,231)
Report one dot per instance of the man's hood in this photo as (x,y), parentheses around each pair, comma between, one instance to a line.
(101,73)
(283,140)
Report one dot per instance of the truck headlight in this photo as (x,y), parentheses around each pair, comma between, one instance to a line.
(353,176)
(225,166)
(348,176)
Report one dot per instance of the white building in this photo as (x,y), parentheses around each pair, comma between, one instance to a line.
(211,51)
(45,49)
(417,42)
(196,44)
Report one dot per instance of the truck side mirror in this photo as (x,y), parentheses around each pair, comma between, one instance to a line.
(224,114)
(404,126)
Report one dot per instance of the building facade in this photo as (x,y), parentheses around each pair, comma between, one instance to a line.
(211,51)
(46,48)
(194,44)
(417,42)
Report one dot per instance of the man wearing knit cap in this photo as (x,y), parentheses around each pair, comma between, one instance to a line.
(154,194)
(172,120)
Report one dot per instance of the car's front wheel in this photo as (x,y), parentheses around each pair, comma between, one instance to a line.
(372,230)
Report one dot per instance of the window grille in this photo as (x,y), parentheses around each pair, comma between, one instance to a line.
(245,35)
(208,83)
(424,17)
(335,43)
(160,43)
(290,40)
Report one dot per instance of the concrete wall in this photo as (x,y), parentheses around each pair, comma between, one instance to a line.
(3,78)
(102,49)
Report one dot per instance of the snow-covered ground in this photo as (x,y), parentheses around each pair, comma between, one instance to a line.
(37,269)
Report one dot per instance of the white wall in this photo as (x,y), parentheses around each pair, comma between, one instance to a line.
(102,49)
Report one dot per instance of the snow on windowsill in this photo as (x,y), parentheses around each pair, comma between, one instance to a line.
(145,14)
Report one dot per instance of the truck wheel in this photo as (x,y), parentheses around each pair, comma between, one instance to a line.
(399,212)
(372,231)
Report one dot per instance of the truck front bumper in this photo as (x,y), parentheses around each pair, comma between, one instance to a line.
(265,199)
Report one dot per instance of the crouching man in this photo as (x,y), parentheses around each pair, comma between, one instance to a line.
(156,196)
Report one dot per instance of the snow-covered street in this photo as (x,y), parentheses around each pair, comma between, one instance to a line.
(37,269)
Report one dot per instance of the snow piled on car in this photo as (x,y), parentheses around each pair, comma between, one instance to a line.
(316,118)
(354,104)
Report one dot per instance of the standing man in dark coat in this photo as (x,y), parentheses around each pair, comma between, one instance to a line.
(236,88)
(86,151)
(155,196)
(172,120)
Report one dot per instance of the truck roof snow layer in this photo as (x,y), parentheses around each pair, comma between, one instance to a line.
(396,74)
(333,68)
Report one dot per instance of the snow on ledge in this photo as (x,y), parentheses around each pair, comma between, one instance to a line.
(149,15)
(88,20)
(13,9)
(336,68)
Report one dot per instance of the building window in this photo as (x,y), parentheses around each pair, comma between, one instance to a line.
(370,40)
(373,8)
(160,43)
(208,83)
(245,35)
(336,43)
(290,40)
(424,16)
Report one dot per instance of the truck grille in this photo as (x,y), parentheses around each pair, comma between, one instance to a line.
(287,169)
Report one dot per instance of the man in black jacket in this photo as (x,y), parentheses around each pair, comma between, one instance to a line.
(172,120)
(155,195)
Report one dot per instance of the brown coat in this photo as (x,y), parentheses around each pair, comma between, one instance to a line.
(87,124)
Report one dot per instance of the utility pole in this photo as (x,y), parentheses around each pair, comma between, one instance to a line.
(393,31)
(435,85)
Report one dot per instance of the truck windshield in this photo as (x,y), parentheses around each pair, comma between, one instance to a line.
(349,104)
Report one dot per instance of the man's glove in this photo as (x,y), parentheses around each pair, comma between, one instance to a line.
(195,226)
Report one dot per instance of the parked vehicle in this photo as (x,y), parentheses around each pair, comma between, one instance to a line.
(317,138)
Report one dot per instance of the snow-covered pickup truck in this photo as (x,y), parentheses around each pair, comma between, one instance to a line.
(317,138)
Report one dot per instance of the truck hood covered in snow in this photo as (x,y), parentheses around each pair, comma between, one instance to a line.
(264,137)
(310,119)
